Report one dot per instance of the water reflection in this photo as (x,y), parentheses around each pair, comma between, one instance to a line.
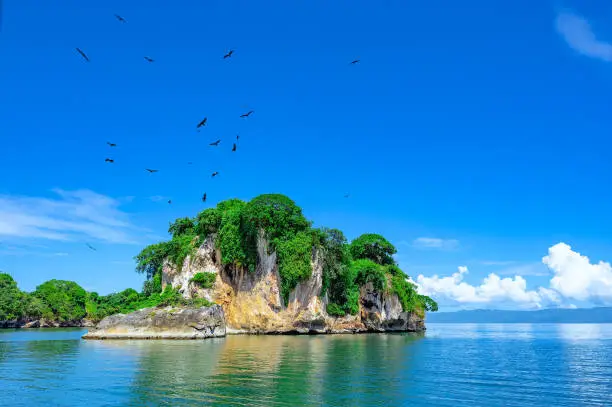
(272,370)
(575,332)
(473,365)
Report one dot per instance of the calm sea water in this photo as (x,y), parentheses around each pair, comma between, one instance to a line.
(452,365)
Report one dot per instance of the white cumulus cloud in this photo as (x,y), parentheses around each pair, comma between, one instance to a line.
(576,278)
(493,290)
(70,215)
(573,278)
(578,34)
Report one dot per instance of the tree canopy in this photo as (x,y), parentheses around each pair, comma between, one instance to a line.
(373,247)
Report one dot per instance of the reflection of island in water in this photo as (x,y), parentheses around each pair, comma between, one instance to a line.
(268,370)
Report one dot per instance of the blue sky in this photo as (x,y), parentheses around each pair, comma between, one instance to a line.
(471,134)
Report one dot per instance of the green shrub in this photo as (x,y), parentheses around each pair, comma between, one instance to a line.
(182,226)
(152,286)
(150,260)
(335,310)
(204,280)
(63,300)
(170,296)
(294,261)
(366,271)
(208,222)
(373,247)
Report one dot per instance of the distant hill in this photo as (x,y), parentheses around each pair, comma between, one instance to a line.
(567,316)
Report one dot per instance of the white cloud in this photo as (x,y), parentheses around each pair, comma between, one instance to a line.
(71,215)
(576,278)
(493,290)
(435,243)
(578,34)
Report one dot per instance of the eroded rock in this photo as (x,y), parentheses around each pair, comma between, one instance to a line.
(162,323)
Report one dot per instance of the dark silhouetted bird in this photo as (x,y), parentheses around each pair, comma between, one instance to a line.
(108,160)
(169,201)
(151,171)
(118,17)
(234,148)
(216,143)
(237,137)
(202,123)
(346,195)
(214,174)
(149,59)
(82,54)
(111,144)
(247,114)
(204,196)
(91,247)
(356,61)
(189,163)
(229,54)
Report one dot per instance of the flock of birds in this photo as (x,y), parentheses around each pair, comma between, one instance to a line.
(199,126)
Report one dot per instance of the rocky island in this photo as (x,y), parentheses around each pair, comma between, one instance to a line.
(272,273)
(258,267)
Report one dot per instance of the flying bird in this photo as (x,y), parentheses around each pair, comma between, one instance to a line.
(234,148)
(151,171)
(214,174)
(202,123)
(111,144)
(247,114)
(91,247)
(237,137)
(121,19)
(149,59)
(346,195)
(204,196)
(356,61)
(216,143)
(229,54)
(169,201)
(189,163)
(108,160)
(82,54)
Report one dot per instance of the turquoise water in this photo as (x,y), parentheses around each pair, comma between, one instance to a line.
(452,365)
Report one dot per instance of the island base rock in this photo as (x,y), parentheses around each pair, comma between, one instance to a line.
(162,323)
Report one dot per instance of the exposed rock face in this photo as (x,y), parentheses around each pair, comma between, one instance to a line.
(164,323)
(43,323)
(252,300)
(384,312)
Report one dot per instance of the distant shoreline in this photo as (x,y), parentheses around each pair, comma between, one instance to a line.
(599,315)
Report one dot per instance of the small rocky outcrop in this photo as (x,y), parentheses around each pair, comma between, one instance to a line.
(162,323)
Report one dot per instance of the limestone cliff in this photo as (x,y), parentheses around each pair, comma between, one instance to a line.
(252,301)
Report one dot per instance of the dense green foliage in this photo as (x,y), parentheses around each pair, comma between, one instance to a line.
(16,305)
(237,227)
(294,261)
(205,279)
(374,247)
(67,302)
(63,300)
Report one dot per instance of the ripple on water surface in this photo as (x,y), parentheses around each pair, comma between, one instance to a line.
(452,365)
